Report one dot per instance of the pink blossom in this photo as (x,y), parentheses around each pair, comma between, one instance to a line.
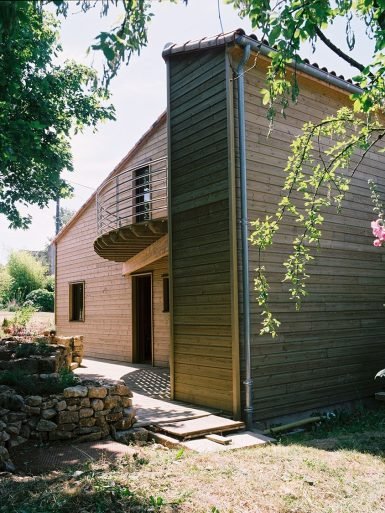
(378,230)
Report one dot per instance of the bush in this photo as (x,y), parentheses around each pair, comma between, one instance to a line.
(41,299)
(24,383)
(6,282)
(49,283)
(27,274)
(40,348)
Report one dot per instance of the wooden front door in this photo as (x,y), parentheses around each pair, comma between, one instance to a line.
(142,318)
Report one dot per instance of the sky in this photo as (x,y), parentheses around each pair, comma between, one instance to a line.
(139,96)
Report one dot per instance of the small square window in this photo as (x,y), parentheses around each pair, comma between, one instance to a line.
(166,294)
(76,293)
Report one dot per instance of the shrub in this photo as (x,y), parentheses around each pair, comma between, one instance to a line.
(6,282)
(40,348)
(49,283)
(24,383)
(27,274)
(42,299)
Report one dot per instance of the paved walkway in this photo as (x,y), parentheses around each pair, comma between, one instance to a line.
(150,386)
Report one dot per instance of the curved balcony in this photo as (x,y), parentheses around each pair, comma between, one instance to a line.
(132,211)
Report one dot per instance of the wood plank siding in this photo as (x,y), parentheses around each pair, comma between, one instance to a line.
(329,351)
(107,328)
(200,225)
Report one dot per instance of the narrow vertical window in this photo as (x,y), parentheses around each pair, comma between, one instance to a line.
(142,194)
(166,294)
(76,293)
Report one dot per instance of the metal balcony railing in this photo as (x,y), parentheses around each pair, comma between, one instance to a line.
(136,195)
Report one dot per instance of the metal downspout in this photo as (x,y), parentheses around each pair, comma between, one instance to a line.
(245,237)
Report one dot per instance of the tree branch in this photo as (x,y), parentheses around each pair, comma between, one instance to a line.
(338,51)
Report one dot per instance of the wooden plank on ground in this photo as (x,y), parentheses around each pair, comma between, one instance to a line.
(199,427)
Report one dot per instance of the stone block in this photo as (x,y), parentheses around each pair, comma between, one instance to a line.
(85,402)
(123,390)
(129,412)
(87,422)
(75,407)
(97,392)
(61,405)
(4,455)
(85,412)
(34,400)
(27,365)
(67,427)
(60,435)
(113,417)
(49,413)
(46,425)
(25,431)
(13,428)
(14,442)
(102,413)
(112,401)
(86,430)
(4,436)
(16,416)
(52,375)
(47,365)
(49,403)
(73,401)
(9,400)
(77,391)
(32,410)
(126,402)
(68,417)
(97,404)
(124,423)
(92,437)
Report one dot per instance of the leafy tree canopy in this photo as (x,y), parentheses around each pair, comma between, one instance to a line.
(327,154)
(41,102)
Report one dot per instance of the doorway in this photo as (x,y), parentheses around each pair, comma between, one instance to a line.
(142,318)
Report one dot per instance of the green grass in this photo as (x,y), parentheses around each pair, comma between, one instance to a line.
(337,467)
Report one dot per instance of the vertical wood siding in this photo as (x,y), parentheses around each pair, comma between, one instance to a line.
(330,350)
(107,327)
(200,226)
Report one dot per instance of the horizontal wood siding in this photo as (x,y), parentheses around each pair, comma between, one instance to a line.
(200,226)
(329,351)
(107,327)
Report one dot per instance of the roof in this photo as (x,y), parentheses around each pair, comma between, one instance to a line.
(144,138)
(231,38)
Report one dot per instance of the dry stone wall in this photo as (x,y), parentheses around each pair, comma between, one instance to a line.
(85,412)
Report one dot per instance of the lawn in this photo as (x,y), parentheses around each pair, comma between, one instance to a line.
(337,468)
(39,321)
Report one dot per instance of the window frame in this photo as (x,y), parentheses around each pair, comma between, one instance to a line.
(142,192)
(71,301)
(166,293)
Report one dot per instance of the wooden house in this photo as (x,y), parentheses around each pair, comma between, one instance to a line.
(152,268)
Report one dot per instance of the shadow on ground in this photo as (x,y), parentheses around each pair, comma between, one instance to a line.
(84,491)
(33,460)
(149,381)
